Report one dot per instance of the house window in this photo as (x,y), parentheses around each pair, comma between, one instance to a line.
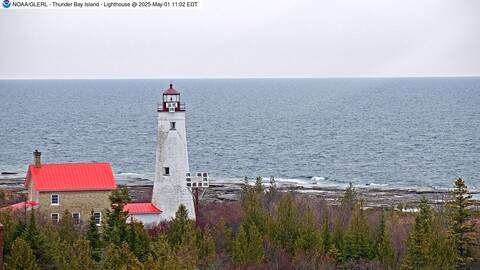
(98,218)
(172,125)
(55,199)
(166,170)
(76,218)
(55,217)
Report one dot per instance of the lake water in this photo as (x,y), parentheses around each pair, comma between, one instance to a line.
(405,132)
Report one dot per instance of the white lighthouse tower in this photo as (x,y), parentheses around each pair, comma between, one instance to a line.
(169,188)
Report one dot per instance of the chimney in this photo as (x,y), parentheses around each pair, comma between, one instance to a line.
(37,159)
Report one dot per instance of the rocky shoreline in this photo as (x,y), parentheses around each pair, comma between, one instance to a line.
(228,191)
(221,191)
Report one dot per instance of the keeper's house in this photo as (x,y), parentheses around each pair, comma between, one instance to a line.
(76,187)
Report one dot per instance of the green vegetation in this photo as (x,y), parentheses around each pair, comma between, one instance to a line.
(268,229)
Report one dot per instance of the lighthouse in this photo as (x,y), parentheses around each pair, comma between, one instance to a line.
(171,166)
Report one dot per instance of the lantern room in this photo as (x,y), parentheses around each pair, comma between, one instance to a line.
(171,101)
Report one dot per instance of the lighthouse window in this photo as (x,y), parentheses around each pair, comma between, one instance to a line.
(166,171)
(172,125)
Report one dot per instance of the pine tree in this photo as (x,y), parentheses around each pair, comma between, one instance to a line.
(138,240)
(56,253)
(179,226)
(285,231)
(31,233)
(349,198)
(120,257)
(271,194)
(152,264)
(308,239)
(34,238)
(247,248)
(385,251)
(21,257)
(206,247)
(259,185)
(162,256)
(417,255)
(252,203)
(116,219)
(93,236)
(357,239)
(182,238)
(338,235)
(81,255)
(71,256)
(223,236)
(325,237)
(67,229)
(441,246)
(461,227)
(272,189)
(10,228)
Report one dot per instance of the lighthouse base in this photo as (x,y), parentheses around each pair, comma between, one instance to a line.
(169,199)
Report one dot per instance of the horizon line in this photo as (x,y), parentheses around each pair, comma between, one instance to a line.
(247,78)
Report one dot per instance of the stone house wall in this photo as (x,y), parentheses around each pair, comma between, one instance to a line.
(82,201)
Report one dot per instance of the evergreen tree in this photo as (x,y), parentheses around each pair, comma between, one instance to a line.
(34,238)
(357,239)
(116,218)
(252,203)
(93,236)
(441,246)
(418,255)
(138,240)
(31,233)
(206,247)
(179,226)
(247,248)
(120,257)
(325,237)
(337,235)
(285,231)
(272,189)
(21,257)
(385,251)
(349,198)
(182,239)
(308,238)
(81,256)
(53,249)
(162,254)
(152,264)
(165,258)
(67,229)
(10,230)
(259,185)
(271,194)
(461,227)
(222,235)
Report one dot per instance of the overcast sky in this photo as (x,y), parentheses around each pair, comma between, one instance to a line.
(246,38)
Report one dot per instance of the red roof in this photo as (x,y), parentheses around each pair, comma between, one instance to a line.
(171,91)
(71,176)
(141,208)
(19,206)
